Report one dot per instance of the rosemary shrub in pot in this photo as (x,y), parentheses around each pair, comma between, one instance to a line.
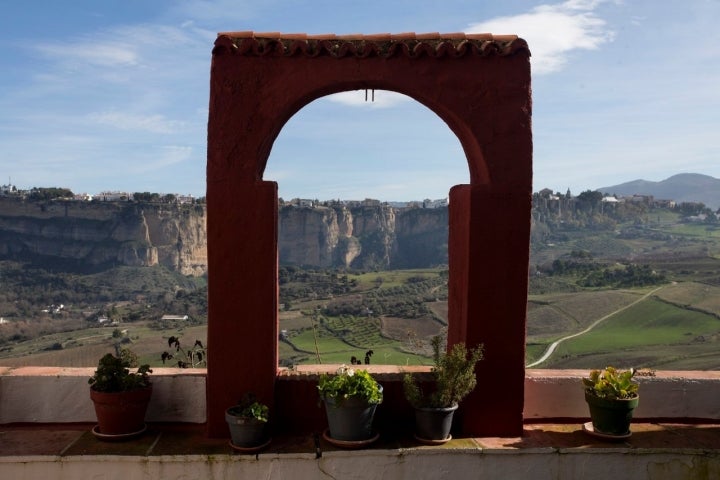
(453,374)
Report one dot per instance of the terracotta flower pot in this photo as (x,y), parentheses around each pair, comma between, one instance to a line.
(121,413)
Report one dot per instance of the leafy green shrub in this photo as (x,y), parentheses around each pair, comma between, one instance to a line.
(347,383)
(454,376)
(249,407)
(113,373)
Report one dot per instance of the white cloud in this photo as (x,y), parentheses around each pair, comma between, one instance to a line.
(109,54)
(146,49)
(369,98)
(553,31)
(159,159)
(127,121)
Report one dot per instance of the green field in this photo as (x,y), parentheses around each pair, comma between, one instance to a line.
(391,278)
(696,230)
(83,348)
(650,323)
(379,313)
(335,337)
(677,327)
(321,345)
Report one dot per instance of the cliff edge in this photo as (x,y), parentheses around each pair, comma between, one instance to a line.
(95,235)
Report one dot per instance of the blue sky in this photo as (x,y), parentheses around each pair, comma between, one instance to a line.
(113,95)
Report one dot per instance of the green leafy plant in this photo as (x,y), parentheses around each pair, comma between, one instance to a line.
(113,373)
(611,383)
(249,407)
(347,383)
(188,358)
(453,374)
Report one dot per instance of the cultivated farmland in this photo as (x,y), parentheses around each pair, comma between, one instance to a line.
(578,279)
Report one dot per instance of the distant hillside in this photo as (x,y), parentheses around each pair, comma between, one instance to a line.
(684,187)
(94,236)
(364,237)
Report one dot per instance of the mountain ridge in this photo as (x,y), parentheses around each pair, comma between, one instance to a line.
(682,187)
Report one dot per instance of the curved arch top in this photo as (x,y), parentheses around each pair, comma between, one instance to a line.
(463,78)
(480,86)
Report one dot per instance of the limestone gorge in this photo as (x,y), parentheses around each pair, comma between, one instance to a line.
(362,235)
(95,235)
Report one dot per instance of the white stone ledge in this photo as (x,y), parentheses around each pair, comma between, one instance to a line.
(667,395)
(60,395)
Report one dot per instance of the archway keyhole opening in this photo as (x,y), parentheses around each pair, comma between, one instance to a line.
(398,175)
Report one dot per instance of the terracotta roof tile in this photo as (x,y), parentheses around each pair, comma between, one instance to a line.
(299,36)
(454,36)
(427,36)
(326,36)
(377,37)
(402,36)
(383,44)
(479,36)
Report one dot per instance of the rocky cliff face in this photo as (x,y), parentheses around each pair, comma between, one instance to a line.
(363,237)
(94,235)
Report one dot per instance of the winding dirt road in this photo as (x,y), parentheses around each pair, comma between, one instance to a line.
(597,322)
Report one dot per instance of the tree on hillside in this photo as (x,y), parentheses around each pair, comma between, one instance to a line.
(589,201)
(146,197)
(52,193)
(689,209)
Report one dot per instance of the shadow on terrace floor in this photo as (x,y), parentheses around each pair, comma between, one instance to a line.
(185,439)
(644,436)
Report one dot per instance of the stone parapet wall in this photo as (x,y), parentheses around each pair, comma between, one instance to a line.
(60,395)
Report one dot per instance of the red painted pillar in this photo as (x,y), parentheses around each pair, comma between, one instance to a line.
(242,296)
(488,257)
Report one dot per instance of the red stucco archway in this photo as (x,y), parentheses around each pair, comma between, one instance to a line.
(480,86)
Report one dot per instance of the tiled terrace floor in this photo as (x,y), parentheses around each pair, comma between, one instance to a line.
(184,439)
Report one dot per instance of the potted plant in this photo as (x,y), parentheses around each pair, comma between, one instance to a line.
(120,396)
(248,421)
(188,358)
(454,378)
(350,397)
(612,397)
